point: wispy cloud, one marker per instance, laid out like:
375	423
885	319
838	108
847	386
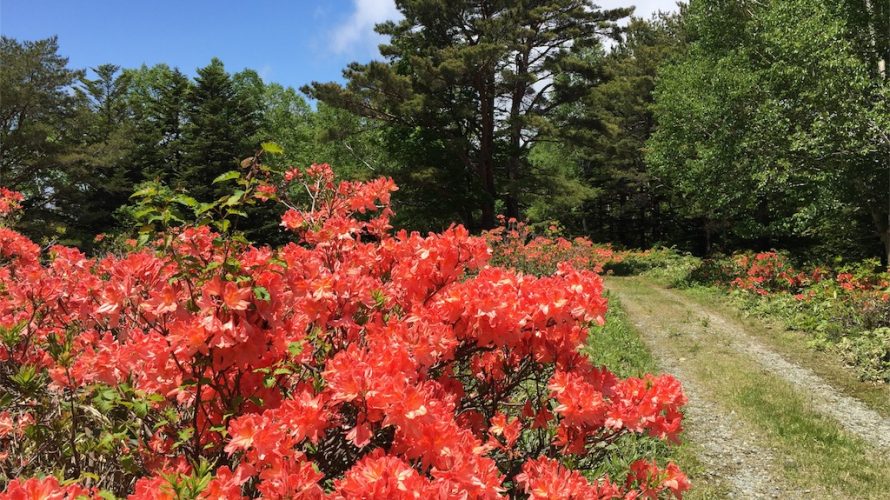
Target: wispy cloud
265	72
358	30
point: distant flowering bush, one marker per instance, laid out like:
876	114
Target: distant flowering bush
514	245
771	272
767	272
352	363
10	201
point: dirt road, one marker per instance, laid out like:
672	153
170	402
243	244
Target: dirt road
763	425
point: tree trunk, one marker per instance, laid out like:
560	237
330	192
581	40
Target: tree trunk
886	240
514	163
882	226
707	237
486	149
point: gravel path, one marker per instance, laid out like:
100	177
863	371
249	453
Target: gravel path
730	455
852	414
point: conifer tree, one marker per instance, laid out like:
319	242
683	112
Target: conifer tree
471	83
36	107
169	113
99	170
219	132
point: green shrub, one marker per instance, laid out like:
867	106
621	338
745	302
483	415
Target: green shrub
664	264
869	353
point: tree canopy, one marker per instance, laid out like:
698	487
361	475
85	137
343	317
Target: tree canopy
474	83
719	126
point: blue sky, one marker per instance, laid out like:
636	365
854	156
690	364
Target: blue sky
290	42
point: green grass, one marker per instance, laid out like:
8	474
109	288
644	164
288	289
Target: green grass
818	451
617	345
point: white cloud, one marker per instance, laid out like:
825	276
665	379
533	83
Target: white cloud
358	29
645	8
356	33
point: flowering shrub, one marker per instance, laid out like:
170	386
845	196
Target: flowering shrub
354	362
514	245
765	272
771	272
10	201
847	308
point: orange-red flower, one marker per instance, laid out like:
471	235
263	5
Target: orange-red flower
368	362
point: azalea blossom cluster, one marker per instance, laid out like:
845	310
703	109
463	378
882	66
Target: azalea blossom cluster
764	273
514	244
355	362
10	201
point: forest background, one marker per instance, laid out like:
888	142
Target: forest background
715	127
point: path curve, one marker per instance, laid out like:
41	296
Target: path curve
851	413
730	455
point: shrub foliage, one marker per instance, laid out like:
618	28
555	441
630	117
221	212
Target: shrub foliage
353	362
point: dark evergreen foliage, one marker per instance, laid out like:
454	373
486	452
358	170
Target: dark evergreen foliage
725	125
479	78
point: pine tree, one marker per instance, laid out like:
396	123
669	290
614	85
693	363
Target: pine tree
471	83
157	101
603	136
99	170
220	131
169	114
36	107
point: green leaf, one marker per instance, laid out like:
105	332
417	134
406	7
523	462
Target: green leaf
26	378
234	198
231	174
107	495
223	225
186	434
140	408
204	207
185	200
272	148
261	293
143	212
83	475
146	191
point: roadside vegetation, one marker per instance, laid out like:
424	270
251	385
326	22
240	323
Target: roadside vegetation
189	363
553	234
619	345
